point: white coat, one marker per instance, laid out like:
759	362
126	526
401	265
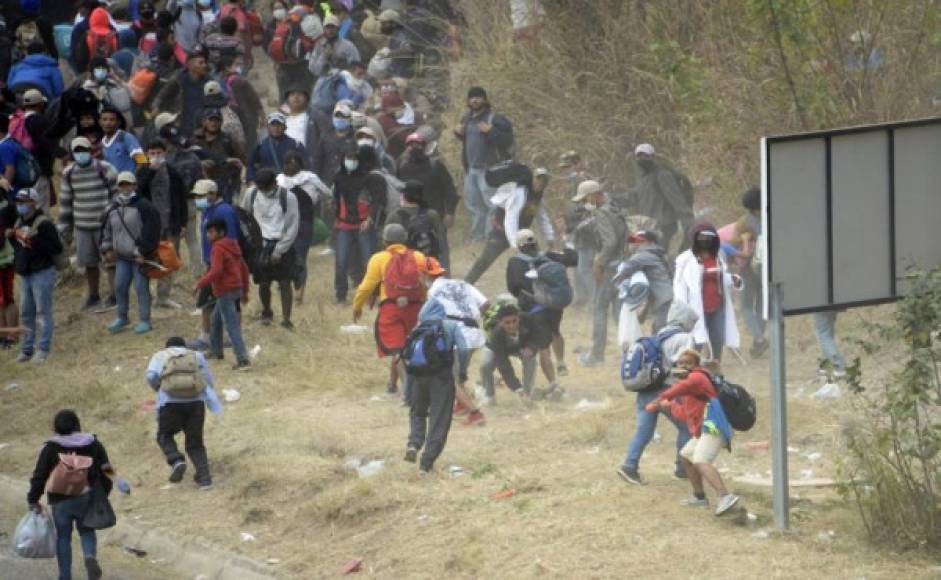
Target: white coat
687	287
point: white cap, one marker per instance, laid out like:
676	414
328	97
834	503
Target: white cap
204	187
164	119
586	188
525	238
645	148
127	177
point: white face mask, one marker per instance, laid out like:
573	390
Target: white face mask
157	160
351	164
279	14
590	206
366	142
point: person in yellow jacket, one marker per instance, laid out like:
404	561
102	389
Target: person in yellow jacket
395	275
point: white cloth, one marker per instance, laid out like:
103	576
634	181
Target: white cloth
461	300
629	330
687	287
406	116
308	182
512	198
296	127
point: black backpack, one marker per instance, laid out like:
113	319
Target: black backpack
507	171
422	233
249	237
739	406
428	350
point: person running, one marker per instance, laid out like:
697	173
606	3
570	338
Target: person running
647	256
69	505
184	386
395	273
422	223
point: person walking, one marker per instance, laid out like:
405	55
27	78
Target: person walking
648	257
662	193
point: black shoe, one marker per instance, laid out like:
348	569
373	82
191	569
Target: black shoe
392	389
680	473
242	365
92	568
424	469
411	455
631	476
91	303
177	471
266	320
287	324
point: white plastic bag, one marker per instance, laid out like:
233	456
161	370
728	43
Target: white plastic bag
629	330
35	536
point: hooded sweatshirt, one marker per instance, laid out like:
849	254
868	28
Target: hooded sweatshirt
78	443
99	24
434	310
650	259
37	71
277	222
359	194
227	270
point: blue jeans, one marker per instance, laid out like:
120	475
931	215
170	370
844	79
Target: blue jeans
715	326
646	426
477	201
753	305
36	297
125	271
347	242
825	329
226	313
64	513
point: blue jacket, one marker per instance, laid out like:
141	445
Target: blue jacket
155	367
221	210
270	153
39	71
434	310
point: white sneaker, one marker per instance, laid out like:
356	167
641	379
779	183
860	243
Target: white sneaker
40	357
693	501
326	252
726	502
167	303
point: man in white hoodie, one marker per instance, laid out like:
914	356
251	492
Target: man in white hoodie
277	214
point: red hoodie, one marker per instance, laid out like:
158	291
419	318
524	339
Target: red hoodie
101	33
691	407
227	270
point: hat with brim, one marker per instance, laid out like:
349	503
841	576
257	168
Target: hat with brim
27	194
164	119
586	188
127	177
204	187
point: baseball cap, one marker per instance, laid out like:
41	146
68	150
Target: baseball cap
645	149
276	117
332	20
568	158
342	110
642	236
27	194
525	238
33	97
204	187
434	267
127	177
541	172
585	189
212	88
368	132
390	16
164	119
80	142
212	113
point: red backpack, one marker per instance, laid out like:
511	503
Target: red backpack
250	25
401	279
102	44
18	130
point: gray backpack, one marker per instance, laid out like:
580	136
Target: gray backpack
181	376
552	288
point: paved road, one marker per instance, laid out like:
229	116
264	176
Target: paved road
116	563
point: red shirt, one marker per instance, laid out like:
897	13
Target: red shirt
227	269
711	278
691	407
362	209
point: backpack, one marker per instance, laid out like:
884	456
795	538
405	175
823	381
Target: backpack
103	45
141	85
401	279
181	376
428	350
739	406
70	475
250	239
394	187
422	233
60	260
551	288
27	169
325	91
249	22
19	132
288	44
642	366
507	171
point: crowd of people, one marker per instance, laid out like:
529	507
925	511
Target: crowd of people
130	130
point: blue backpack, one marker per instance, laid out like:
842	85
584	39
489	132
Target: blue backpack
642	366
27	171
428	350
325	91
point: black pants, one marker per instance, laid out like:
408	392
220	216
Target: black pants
188	418
496	245
431	400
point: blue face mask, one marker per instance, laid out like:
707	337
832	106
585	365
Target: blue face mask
202	203
100	74
83	158
341	124
23	209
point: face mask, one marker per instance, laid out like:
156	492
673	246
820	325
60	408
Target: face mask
365	143
22	209
83	158
341	124
100	74
202	203
279	14
123	198
204	4
157	160
590	206
351	164
645	164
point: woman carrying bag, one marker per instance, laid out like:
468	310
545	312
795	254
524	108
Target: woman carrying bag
74	471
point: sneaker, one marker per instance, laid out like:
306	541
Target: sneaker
205	486
40	357
586	360
266	320
392	389
287	324
758	348
460	409
109	304
839	374
475	418
143	328
726	502
424	469
170	304
117	325
562	369
198	344
631	476
242	365
176	471
693	501
411	454
24	357
92	568
91	303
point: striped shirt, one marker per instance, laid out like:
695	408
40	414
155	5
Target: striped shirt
86	193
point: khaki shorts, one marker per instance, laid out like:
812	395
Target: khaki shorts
703	449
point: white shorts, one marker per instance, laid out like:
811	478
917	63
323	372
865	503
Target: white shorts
703	449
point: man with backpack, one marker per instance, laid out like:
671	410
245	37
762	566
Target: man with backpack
662	193
17	165
184	93
429	356
275	209
395	273
32	130
511	333
224	46
289	47
421	223
327	156
184	386
331	49
650	259
36	245
270	151
87	187
656	363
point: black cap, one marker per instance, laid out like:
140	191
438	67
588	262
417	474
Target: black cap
175	341
477	92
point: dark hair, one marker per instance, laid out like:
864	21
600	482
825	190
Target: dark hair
164	32
217	224
176	341
157	143
4	124
35	47
228	25
265	177
413	191
751	199
507	310
295	157
66	422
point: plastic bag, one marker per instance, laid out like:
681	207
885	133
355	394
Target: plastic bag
35	536
629	330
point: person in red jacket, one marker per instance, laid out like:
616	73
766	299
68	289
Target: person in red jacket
687	400
228	276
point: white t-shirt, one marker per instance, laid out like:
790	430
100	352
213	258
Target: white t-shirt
461	300
296	128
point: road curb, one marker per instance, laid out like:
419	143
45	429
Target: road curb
190	562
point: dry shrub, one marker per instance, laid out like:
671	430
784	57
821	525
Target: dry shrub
351	503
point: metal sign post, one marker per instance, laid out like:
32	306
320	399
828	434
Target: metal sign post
779	410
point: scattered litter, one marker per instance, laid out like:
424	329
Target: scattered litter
505	494
826	536
202	577
4	445
12	386
117	369
166	486
376	398
793	450
586	405
273	561
457	471
594	450
761	535
724	470
256	350
354	565
752	518
135	551
123	486
354	329
196	312
424	518
247	537
758	445
365	469
814	456
828	391
325	252
807	473
231	395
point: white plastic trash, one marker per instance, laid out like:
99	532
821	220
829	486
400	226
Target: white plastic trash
231	395
828	391
354	329
35	536
586	405
248	537
371	468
